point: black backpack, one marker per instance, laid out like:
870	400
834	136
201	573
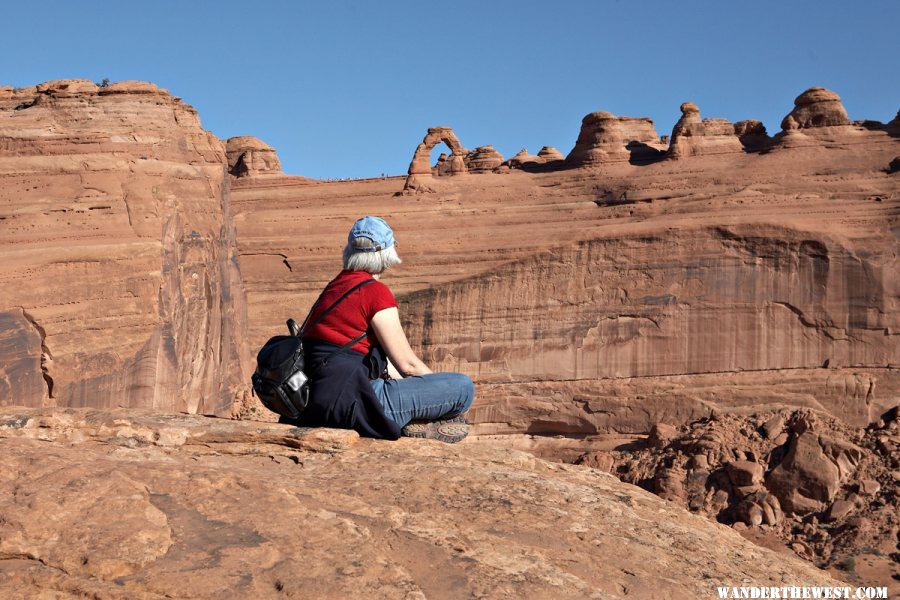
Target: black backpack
281	380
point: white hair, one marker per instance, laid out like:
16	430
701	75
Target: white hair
371	262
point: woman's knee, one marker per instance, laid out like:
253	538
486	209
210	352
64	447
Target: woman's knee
465	391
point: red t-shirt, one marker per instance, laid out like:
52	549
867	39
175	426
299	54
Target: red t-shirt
352	316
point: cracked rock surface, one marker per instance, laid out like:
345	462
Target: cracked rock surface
126	504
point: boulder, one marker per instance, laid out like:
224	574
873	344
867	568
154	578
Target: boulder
869	487
759	508
693	136
773	427
604	137
816	107
249	156
838	510
845	455
660	435
669	484
808	478
744	472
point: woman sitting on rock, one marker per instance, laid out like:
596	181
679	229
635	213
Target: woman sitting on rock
378	386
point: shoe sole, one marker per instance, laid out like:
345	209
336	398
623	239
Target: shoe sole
450	431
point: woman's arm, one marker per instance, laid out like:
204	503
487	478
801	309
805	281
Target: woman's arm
393	373
386	324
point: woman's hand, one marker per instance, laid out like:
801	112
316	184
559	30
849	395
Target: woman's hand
387	327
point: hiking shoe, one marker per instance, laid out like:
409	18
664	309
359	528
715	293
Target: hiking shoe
449	431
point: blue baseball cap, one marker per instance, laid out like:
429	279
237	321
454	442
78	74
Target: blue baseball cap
374	229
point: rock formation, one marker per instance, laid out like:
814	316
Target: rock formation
522	158
894	126
698	290
797	478
593	312
483	160
816	107
120	284
752	134
152	506
606	138
550	154
249	156
420	169
693	136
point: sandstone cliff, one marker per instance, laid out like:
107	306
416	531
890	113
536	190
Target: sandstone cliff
120	285
591	304
205	508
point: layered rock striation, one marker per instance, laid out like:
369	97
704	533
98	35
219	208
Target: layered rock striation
483	160
120	285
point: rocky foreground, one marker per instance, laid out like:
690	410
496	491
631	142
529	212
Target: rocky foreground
126	504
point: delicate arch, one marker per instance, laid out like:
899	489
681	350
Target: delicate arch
421	162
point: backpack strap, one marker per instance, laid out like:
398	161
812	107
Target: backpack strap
330	308
341	350
349	344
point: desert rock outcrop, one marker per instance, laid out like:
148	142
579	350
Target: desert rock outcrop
420	169
522	158
590	307
119	280
249	156
693	136
605	138
184	506
752	134
795	478
550	154
816	107
483	160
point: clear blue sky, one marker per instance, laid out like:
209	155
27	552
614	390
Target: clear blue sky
347	89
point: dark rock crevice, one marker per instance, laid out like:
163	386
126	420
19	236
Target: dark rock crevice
46	355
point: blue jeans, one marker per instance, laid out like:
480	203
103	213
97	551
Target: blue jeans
424	397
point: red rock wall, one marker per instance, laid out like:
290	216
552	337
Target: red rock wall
593	302
695	301
119	280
